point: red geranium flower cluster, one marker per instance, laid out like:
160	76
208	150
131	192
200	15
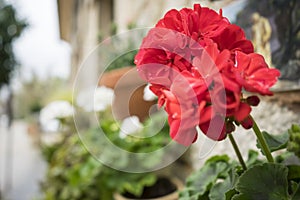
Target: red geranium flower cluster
198	65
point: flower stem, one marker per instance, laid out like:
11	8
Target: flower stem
237	151
262	142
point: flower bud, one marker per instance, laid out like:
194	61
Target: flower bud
230	127
247	123
253	100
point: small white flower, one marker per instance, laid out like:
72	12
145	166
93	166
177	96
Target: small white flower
55	110
103	97
95	99
148	94
129	126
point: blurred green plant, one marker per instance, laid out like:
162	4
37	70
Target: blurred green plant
294	142
125	60
35	93
11	29
74	174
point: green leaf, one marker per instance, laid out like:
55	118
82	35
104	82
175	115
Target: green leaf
285	157
218	158
133	183
218	191
275	142
252	158
200	182
186	195
294	140
267	181
152	159
294	172
296	194
295	128
224	190
230	193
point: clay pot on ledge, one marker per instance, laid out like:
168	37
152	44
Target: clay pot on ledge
164	189
128	88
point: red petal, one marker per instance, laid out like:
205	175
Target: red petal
214	129
243	111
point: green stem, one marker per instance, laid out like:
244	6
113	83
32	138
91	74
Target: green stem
262	142
237	151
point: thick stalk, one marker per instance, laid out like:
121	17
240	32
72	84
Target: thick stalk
262	142
237	151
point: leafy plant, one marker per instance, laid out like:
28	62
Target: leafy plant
11	28
36	93
74	174
190	89
221	178
294	143
124	60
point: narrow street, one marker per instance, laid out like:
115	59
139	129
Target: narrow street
21	165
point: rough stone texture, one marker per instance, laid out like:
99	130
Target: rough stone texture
270	116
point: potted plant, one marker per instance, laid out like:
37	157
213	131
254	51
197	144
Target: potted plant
75	174
223	178
207	76
140	139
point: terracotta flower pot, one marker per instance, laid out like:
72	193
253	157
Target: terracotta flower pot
171	196
129	88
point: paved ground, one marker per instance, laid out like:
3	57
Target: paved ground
21	165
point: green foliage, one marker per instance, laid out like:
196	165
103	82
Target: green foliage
267	181
275	142
294	142
253	158
70	172
74	174
125	60
11	28
296	194
36	93
200	183
222	179
294	172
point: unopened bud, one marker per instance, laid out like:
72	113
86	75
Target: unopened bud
247	123
230	127
253	100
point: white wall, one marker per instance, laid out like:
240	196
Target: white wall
145	13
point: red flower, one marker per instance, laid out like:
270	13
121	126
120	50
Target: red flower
253	73
215	128
197	23
183	103
182	120
233	38
167	47
198	63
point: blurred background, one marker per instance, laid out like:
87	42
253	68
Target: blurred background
43	44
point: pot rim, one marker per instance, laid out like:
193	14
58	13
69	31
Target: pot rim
171	196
